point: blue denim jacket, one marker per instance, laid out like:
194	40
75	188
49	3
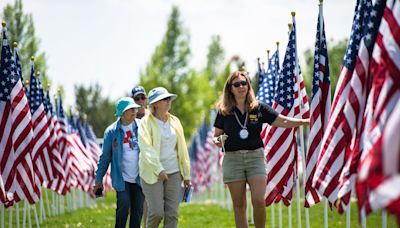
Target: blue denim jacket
112	153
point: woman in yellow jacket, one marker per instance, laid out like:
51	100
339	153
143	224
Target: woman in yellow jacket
164	160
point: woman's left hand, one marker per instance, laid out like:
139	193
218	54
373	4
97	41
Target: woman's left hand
187	183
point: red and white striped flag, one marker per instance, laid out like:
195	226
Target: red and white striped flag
40	153
281	143
8	81
379	169
54	150
60	184
16	139
320	107
334	172
211	163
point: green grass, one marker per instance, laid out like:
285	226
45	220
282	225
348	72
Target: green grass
193	215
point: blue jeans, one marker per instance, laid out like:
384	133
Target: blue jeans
129	201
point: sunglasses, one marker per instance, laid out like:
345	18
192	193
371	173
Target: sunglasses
166	99
238	84
140	98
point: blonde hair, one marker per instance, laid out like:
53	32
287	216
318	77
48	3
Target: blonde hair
227	102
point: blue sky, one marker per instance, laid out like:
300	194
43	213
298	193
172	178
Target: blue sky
111	41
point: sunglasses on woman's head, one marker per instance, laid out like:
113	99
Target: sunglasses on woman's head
238	84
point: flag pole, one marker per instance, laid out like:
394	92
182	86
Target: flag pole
36	215
320	38
280	214
293	13
17	214
10	209
2	215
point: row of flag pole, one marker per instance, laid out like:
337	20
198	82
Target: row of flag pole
39	145
352	143
346	147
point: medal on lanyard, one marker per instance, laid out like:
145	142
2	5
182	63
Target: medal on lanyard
244	133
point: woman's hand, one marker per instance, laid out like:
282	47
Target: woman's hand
96	187
187	183
289	122
217	133
217	142
162	176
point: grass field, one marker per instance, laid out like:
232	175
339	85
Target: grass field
193	215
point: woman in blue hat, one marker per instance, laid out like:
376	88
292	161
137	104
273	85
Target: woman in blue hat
164	160
121	149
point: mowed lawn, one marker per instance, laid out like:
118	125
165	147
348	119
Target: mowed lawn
202	216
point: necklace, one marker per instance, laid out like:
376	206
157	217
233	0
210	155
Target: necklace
244	133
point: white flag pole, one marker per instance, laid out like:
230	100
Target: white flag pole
17	214
24	217
348	215
326	213
272	215
47	203
2	215
41	210
384	219
29	214
290	216
36	216
280	214
10	209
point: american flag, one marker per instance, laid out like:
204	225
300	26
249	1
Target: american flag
60	184
269	85
93	146
212	161
88	153
266	87
379	167
16	136
335	170
92	141
200	165
55	154
9	80
281	143
80	161
261	72
193	160
320	107
40	153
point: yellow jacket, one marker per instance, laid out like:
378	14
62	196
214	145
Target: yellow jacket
149	144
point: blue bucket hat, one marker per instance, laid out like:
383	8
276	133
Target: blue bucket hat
158	94
124	104
137	90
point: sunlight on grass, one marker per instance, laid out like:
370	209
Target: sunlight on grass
196	215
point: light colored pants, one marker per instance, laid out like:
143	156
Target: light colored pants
163	200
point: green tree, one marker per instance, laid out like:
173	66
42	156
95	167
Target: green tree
99	110
168	67
21	29
336	51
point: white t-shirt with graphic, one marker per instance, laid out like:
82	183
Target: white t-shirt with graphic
168	153
130	155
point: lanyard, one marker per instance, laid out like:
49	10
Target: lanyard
244	126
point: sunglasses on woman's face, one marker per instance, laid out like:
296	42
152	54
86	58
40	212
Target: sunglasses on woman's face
166	99
238	84
140	98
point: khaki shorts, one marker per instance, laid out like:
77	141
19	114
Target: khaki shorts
243	164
